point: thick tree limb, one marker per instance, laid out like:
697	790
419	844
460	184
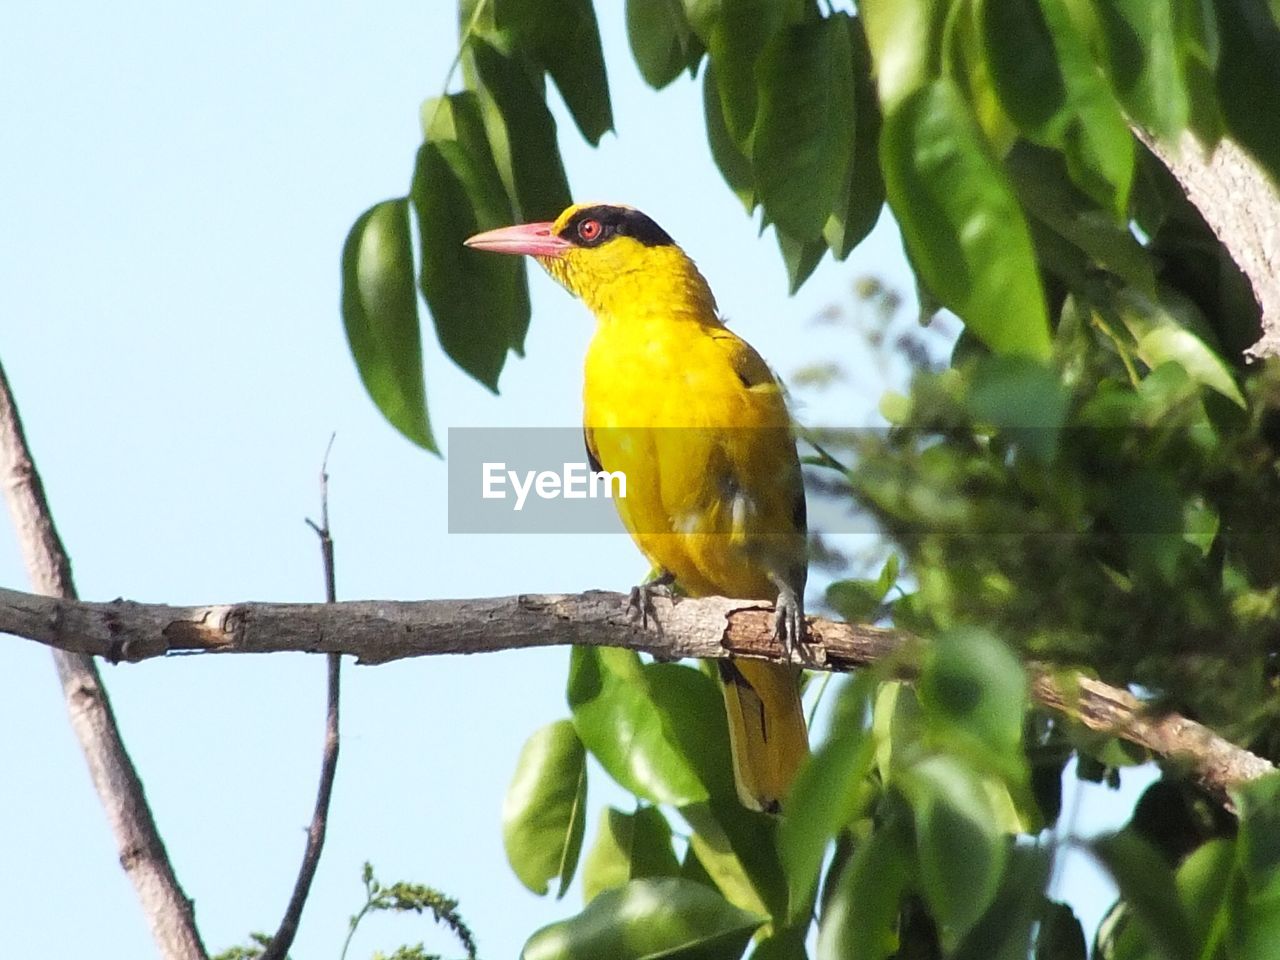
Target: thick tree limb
142	852
1242	207
380	631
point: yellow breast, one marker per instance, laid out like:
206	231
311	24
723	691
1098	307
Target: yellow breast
692	416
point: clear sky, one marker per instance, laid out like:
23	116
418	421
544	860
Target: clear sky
178	181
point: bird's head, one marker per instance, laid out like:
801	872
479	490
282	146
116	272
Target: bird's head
612	256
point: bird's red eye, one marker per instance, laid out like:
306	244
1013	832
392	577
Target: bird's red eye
589	230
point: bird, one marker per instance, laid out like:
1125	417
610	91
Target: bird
694	418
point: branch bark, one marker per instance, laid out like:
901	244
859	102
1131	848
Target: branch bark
142	852
381	631
1242	207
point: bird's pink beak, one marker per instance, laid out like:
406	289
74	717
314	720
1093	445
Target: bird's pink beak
534	239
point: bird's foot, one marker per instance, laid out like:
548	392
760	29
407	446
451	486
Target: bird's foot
788	620
640	603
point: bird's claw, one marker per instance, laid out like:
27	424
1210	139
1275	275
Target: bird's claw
788	621
640	604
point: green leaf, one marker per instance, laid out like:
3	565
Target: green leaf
963	226
1196	30
522	133
1061	936
562	36
475	300
898	728
1050	87
830	790
859	600
1004	930
804	129
1024	400
380	314
1172	329
666	918
691	868
1022	63
1145	64
862	195
662	41
629	846
1147	885
475	18
1258	803
1249	78
1090	130
1118	937
701	15
965	61
544	813
737	849
973	689
1205	884
786	944
904	37
737	38
800	257
961	851
499	284
733	164
1041	180
861	919
649	728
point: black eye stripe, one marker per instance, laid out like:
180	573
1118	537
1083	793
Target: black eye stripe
615	221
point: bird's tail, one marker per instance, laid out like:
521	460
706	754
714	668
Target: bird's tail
767	732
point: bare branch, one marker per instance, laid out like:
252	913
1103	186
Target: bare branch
142	852
283	940
380	631
1242	207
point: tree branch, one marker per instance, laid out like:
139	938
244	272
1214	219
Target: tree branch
142	853
1242	207
380	631
288	929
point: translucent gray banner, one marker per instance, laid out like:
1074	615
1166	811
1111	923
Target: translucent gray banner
542	480
731	482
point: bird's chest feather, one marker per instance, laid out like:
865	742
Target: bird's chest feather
659	375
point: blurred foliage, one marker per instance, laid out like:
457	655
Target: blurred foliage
257	945
1089	479
401	897
398	897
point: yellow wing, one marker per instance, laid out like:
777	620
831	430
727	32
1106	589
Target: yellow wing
694	418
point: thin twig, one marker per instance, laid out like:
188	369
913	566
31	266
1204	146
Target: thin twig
463	39
283	939
142	854
382	630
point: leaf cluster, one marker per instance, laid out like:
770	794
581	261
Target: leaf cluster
403	897
489	157
399	897
791	117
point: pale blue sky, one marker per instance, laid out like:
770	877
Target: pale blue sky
178	181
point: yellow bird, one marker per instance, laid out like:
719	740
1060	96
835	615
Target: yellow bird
694	418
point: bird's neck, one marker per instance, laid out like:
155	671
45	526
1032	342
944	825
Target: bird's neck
666	286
